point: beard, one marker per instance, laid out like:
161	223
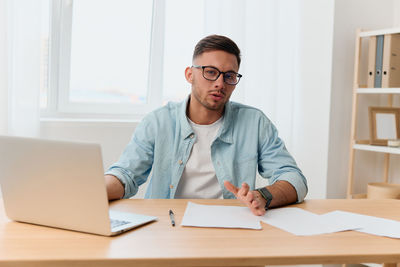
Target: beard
203	97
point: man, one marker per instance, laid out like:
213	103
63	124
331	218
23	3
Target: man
208	146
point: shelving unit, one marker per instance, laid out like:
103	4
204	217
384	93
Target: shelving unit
359	90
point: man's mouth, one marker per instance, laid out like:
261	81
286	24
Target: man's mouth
217	96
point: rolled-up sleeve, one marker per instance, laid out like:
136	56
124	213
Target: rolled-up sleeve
276	163
135	163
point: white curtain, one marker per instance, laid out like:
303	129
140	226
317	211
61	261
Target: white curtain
287	50
267	33
23	50
3	69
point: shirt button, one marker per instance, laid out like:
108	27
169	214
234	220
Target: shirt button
192	135
180	162
218	163
171	186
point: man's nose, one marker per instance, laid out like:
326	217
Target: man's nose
219	83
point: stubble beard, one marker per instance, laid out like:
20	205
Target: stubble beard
205	103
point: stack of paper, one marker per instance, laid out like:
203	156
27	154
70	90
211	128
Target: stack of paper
293	220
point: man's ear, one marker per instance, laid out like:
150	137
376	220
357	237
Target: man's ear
189	74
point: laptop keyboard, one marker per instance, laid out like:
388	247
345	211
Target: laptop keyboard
116	223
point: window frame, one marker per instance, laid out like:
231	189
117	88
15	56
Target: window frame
58	104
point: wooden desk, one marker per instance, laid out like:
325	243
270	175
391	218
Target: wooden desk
160	244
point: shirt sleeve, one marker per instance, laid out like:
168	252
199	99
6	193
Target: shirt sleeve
276	163
134	165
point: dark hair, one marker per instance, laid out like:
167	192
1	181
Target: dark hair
217	42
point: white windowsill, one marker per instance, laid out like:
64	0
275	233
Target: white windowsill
87	120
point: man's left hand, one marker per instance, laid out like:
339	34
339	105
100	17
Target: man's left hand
251	199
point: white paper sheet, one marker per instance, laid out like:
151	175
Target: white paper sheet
301	222
293	220
368	224
219	216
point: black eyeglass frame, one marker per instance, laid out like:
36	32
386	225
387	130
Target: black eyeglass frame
219	73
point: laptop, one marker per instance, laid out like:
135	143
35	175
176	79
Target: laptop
59	184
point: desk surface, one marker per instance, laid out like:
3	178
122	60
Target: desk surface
159	243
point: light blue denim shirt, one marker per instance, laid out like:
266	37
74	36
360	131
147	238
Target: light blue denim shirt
247	141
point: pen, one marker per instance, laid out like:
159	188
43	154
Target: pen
171	216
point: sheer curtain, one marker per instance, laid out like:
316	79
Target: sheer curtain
287	58
3	69
23	49
268	34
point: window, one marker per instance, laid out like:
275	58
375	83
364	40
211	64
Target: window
101	53
110	51
119	58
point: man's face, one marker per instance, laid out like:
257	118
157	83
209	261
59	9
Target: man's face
212	94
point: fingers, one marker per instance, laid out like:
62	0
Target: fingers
258	205
244	190
244	195
235	190
247	197
257	208
250	197
251	200
231	188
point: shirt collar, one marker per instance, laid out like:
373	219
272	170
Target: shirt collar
186	129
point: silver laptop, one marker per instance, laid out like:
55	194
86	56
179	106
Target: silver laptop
59	184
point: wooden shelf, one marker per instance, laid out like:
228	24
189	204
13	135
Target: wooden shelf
382	149
378	90
379	32
361	89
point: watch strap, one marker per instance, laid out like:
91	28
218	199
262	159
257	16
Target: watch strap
264	192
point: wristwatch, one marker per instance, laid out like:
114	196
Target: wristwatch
264	192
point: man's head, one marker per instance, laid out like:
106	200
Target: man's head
217	42
214	73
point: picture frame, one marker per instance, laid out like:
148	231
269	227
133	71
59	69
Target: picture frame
384	124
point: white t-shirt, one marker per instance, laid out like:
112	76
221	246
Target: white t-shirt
198	178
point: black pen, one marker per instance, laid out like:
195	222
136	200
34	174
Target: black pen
171	216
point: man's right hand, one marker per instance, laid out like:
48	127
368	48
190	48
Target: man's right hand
115	189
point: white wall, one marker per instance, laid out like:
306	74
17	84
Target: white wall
396	13
3	69
350	15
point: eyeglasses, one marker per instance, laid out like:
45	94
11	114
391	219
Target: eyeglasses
212	74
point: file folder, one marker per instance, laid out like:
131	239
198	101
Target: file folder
371	61
391	61
378	61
